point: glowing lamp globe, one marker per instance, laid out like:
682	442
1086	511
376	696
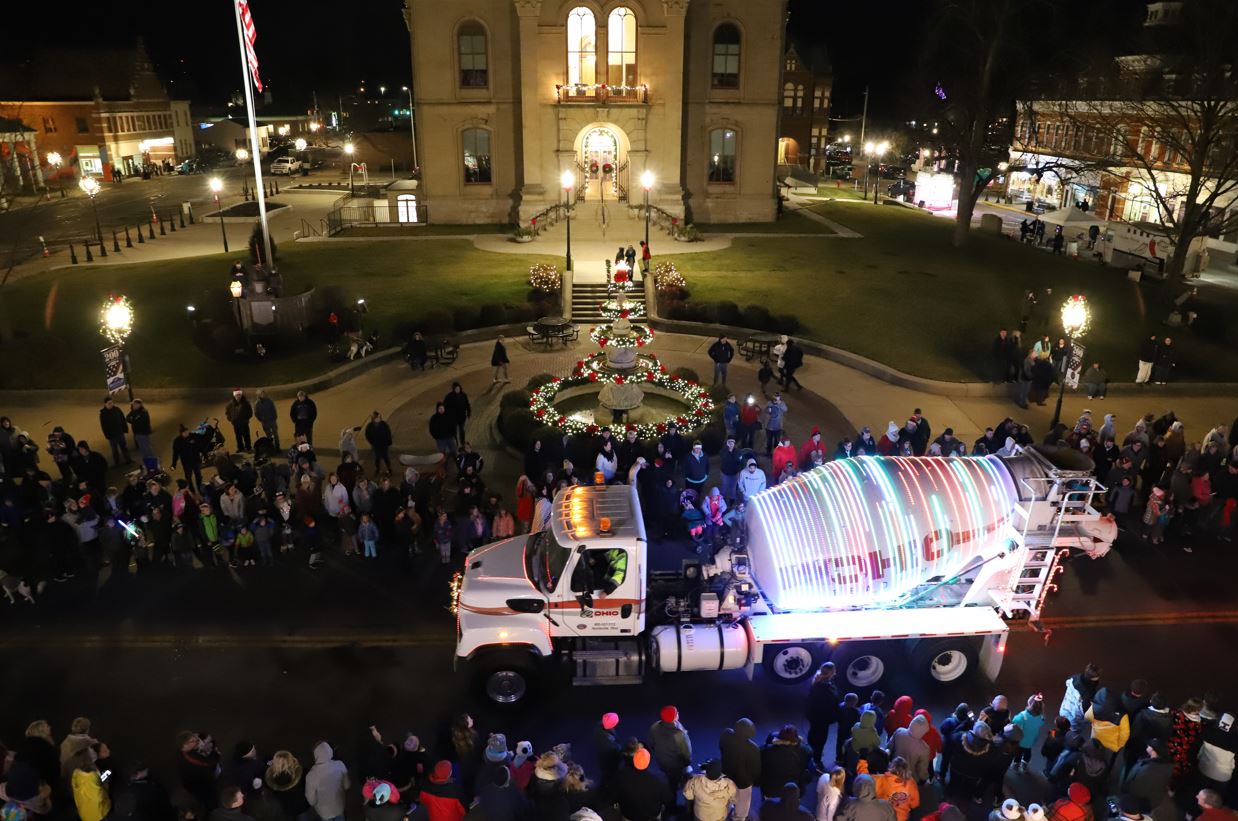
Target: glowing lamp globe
1075	315
89	186
53	158
236	288
116	319
646	180
300	144
567	179
216	184
242	154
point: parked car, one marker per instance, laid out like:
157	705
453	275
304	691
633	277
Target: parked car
286	165
903	188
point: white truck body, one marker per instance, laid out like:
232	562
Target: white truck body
868	563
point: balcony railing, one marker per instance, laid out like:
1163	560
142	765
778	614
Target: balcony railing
598	93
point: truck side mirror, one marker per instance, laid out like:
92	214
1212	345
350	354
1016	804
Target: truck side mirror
625	611
526	605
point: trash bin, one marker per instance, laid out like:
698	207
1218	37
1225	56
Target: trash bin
1072	249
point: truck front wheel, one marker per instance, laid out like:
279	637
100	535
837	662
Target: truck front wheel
789	663
505	678
942	661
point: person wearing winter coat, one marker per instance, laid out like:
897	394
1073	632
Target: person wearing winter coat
932	736
1076	806
441	796
785	806
378	434
458	408
721	352
741	761
908	743
970	759
1029	721
326	783
90	795
897	786
114	426
899	715
814	445
641	793
546	788
866	806
822	710
1150	774
751	481
775	415
268	417
1186	732
1110	726
864	735
1153	722
238	411
711	793
499	361
696	467
784	758
1218	744
670	746
303	412
830	793
1080	690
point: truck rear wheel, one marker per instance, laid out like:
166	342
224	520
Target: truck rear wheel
505	678
789	663
862	665
942	661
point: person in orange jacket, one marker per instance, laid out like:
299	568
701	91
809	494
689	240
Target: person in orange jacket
898	787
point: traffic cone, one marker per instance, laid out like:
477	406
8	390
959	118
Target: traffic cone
128	240
72	254
46	253
115	243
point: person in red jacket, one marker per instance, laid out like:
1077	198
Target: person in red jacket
814	444
899	716
785	452
887	445
1213	807
933	737
1076	806
441	795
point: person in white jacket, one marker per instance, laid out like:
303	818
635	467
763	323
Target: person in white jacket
334	496
751	480
711	793
830	793
326	783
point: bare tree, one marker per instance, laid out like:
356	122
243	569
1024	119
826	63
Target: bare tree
1166	124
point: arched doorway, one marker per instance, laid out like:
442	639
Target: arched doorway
602	160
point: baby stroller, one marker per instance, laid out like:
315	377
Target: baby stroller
153	471
693	519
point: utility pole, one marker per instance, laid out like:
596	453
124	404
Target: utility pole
864	116
860	146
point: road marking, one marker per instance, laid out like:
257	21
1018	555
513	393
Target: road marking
362	638
1135	620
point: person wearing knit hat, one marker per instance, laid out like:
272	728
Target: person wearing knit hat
382	801
523	765
441	795
887	445
1034	812
606	745
1008	811
710	792
670	745
640	790
1076	806
610	721
496	749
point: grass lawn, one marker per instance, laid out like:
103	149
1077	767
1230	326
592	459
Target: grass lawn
427	230
902	295
49	334
788	223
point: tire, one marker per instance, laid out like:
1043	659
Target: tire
864	665
505	679
942	661
790	663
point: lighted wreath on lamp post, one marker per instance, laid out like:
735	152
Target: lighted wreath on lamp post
1076	319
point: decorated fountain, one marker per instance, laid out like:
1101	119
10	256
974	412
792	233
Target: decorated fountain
621	385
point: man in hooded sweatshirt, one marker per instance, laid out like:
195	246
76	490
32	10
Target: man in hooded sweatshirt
864	735
640	792
866	806
711	793
1149	778
440	795
908	743
785	807
326	783
741	761
670	745
899	715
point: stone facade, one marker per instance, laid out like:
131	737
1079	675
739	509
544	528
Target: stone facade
687	90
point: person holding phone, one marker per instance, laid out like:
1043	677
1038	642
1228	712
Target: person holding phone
90	794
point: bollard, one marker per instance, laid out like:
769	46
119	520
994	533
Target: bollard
128	239
181	214
72	254
191	215
89	256
163	232
171	224
102	249
115	243
141	239
276	184
151	225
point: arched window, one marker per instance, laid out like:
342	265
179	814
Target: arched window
621	48
726	56
788	95
722	155
582	47
473	66
476	146
820	100
406	207
799	98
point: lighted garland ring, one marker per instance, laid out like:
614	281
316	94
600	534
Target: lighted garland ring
697	398
612	310
604	335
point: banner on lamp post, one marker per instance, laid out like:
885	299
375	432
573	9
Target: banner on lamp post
1074	368
114	369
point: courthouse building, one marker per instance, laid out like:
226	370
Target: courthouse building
511	93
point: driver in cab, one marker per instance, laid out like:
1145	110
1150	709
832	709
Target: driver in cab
607	570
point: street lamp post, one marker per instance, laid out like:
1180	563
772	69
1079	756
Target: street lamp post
646	182
217	185
116	323
412	128
1075	320
90	187
56	161
237	290
301	145
879	151
348	149
568	180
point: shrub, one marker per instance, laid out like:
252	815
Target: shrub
464	317
719	393
713	437
492	314
403	330
518	427
667	280
520	313
686	373
515	399
727	313
435	320
545	278
756	317
536	381
674	309
786	323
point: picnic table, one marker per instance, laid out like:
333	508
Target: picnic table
444	352
757	345
550	328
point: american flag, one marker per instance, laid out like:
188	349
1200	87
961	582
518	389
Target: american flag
251	34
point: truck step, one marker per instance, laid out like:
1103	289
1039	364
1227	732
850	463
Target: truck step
597	681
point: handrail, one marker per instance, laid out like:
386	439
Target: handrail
545	218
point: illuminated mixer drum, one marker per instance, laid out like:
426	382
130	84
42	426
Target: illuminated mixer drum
864	531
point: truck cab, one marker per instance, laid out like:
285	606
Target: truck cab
521	600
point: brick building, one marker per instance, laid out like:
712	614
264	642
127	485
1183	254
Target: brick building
807	81
99	108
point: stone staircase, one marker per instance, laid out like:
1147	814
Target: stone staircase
587	296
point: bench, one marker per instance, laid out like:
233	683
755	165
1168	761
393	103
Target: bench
444	353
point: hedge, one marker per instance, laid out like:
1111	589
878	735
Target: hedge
755	317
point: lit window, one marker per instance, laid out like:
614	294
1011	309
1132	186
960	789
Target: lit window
473	73
581	47
799	98
726	56
788	95
722	155
621	48
406	207
476	143
820	99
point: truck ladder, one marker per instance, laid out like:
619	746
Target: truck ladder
1045	545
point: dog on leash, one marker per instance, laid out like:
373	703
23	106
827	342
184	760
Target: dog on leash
14	586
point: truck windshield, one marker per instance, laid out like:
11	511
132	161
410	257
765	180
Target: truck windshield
544	560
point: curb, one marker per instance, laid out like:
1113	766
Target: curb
917	383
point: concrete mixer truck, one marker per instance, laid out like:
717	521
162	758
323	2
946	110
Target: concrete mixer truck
874	563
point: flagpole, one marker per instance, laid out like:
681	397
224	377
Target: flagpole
254	144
